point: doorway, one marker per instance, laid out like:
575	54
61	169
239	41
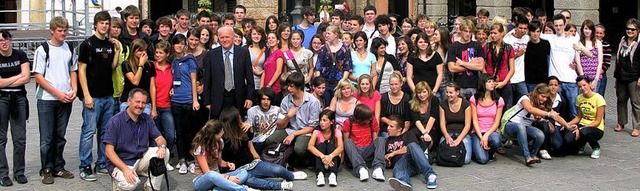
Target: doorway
157	10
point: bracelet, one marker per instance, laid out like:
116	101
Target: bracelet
548	114
331	155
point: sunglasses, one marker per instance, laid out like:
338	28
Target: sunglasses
632	29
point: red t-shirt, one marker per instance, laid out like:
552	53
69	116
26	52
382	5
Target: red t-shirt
507	54
370	101
164	82
361	133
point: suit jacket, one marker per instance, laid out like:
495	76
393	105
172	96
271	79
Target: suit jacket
214	78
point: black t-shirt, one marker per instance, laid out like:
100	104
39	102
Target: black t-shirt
434	111
425	71
98	55
536	62
469	78
395	143
148	71
240	156
455	121
388	109
12	66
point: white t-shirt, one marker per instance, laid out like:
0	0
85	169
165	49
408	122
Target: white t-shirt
561	56
263	123
56	70
522	116
516	43
391	43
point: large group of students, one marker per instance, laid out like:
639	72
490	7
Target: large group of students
371	93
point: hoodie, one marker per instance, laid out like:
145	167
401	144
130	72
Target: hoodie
181	68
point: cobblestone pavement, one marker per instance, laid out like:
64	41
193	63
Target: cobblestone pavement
617	169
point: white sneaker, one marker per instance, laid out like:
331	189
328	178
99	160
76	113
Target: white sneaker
182	169
169	167
426	154
545	155
378	174
399	185
251	189
299	175
192	168
284	185
333	182
320	179
595	153
364	174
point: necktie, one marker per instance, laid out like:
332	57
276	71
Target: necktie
228	79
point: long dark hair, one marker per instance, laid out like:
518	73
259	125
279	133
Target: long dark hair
205	139
230	117
482	88
588	24
332	116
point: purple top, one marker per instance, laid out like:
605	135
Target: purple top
589	65
129	138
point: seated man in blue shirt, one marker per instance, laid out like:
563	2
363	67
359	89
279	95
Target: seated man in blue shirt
127	144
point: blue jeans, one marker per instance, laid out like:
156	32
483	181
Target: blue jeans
411	163
569	91
263	184
523	134
530	88
507	93
270	170
14	110
482	156
147	109
165	125
519	90
467	145
551	140
94	120
53	117
602	85
214	180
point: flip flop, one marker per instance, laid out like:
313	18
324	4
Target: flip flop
635	133
618	128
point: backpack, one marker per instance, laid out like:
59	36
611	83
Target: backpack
451	156
45	47
511	112
277	154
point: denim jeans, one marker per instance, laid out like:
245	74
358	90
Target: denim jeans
116	105
359	155
411	163
270	170
569	91
519	89
94	120
262	184
589	135
482	155
53	117
523	134
551	140
507	94
184	120
467	93
530	88
216	181
14	108
467	145
165	125
602	85
147	109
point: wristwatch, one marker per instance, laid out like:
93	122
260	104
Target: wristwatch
163	146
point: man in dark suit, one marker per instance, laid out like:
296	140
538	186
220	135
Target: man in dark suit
228	77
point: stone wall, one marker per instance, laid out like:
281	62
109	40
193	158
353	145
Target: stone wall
260	9
495	7
436	10
580	10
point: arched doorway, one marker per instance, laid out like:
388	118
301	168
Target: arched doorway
399	7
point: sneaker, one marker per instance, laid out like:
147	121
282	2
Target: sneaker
192	168
101	169
87	174
545	155
63	174
399	185
169	167
284	185
426	154
595	153
299	175
251	189
320	179
581	151
333	182
432	181
21	179
182	169
6	181
47	176
508	144
364	174
378	174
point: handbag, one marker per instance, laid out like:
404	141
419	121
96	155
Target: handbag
277	154
451	156
157	168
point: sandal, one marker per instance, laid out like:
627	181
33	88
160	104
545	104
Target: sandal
536	159
635	133
530	162
618	128
501	151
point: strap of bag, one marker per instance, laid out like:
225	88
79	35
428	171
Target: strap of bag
333	57
293	59
166	178
384	64
255	63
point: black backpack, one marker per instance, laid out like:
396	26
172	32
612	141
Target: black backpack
45	47
277	153
451	156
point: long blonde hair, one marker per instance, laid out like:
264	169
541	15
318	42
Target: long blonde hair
136	45
344	83
415	101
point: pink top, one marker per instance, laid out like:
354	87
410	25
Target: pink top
320	138
270	67
486	114
370	101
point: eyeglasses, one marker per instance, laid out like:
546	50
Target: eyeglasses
632	29
6	40
567	17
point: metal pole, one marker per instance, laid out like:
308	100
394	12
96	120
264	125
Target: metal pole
74	16
63	10
53	8
87	27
